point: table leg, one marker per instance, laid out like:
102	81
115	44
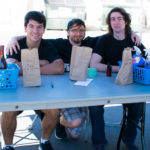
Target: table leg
143	127
122	128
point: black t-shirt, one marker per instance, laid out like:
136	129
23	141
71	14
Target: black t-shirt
46	50
111	49
64	47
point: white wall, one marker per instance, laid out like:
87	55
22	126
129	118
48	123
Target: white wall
12	14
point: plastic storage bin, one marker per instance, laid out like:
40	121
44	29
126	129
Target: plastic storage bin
141	75
9	76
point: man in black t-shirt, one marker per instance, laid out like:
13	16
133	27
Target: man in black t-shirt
46	51
64	46
72	118
109	49
50	63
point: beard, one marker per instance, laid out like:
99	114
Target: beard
77	40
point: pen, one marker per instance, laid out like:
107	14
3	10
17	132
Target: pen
52	85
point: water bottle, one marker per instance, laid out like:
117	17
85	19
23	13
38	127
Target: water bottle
109	70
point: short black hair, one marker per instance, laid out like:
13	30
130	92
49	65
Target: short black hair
35	15
75	21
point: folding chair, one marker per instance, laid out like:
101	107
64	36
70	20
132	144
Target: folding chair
140	127
31	126
37	114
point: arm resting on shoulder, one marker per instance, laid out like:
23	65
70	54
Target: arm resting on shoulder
56	67
13	45
135	38
96	63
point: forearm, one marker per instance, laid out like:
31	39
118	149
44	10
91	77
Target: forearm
100	67
52	68
18	37
103	67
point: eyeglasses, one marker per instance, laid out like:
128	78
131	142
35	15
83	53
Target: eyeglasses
76	31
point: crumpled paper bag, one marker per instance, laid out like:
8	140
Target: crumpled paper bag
125	74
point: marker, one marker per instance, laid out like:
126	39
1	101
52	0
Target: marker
52	85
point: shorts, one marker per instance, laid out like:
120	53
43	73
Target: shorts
39	113
71	114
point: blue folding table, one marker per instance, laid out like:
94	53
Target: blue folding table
58	91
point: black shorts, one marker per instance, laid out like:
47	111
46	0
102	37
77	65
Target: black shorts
39	113
19	112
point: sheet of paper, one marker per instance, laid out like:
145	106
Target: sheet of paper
83	83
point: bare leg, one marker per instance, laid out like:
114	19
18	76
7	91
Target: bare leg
49	122
72	124
8	125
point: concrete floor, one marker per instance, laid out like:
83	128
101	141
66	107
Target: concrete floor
25	139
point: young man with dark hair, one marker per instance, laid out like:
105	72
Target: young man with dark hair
50	63
71	118
109	49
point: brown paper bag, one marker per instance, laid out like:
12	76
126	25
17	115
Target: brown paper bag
125	74
31	67
80	59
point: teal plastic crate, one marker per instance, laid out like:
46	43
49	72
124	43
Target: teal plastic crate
9	76
141	75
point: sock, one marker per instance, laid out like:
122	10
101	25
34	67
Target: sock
44	140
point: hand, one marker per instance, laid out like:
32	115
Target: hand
43	62
12	46
136	39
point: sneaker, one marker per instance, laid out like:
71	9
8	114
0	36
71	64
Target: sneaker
99	147
60	133
45	146
8	148
129	146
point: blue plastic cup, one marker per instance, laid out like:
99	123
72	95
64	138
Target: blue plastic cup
92	72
